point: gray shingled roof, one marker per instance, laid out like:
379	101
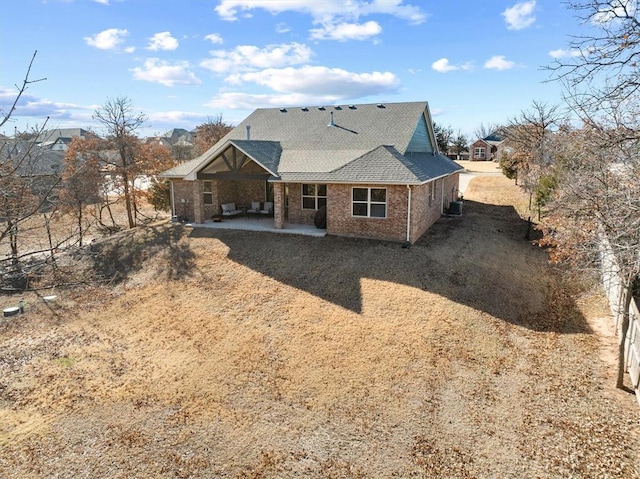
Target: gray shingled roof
383	165
30	159
358	143
267	153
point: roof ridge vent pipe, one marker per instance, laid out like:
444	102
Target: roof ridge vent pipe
331	122
248	132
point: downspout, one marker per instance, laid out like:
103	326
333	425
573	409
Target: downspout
173	200
409	215
442	197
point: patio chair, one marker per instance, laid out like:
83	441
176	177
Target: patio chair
255	207
267	208
229	210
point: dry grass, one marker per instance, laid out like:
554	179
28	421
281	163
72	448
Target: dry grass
241	354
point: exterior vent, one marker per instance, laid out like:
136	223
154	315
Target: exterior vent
248	132
352	107
380	105
338	107
331	122
304	108
321	108
283	110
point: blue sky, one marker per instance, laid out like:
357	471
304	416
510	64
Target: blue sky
183	62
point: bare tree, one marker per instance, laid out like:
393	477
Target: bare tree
603	66
209	133
484	131
21	89
81	181
459	144
121	124
26	183
444	137
152	158
529	137
597	205
597	202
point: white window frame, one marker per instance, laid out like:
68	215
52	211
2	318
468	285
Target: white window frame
432	191
315	197
206	193
479	152
369	202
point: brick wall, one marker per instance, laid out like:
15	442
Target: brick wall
278	205
341	222
183	198
295	212
425	211
451	188
479	144
240	192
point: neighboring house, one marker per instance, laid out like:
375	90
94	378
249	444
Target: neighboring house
459	156
29	159
41	166
375	168
59	139
487	148
179	141
176	136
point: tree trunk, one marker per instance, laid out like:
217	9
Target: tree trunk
624	329
13	240
127	201
80	231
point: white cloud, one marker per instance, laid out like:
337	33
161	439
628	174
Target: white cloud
249	57
498	62
560	53
159	71
337	19
325	10
33	107
214	38
104	2
162	41
346	31
321	81
282	28
443	66
107	39
520	15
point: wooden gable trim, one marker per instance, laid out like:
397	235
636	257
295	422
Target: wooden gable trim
230	175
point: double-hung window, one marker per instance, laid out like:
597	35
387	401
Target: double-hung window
314	197
478	152
207	193
369	202
432	191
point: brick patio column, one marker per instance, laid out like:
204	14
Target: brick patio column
278	205
198	213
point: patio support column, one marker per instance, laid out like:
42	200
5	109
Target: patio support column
278	205
198	213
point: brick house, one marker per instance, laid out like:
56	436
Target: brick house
488	148
375	169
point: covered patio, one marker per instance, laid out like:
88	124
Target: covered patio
261	224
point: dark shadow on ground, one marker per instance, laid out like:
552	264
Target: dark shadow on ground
118	256
481	260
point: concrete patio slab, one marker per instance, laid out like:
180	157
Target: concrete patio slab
261	224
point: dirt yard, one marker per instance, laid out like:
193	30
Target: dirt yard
226	354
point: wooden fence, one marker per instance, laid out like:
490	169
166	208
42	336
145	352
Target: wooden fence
613	289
